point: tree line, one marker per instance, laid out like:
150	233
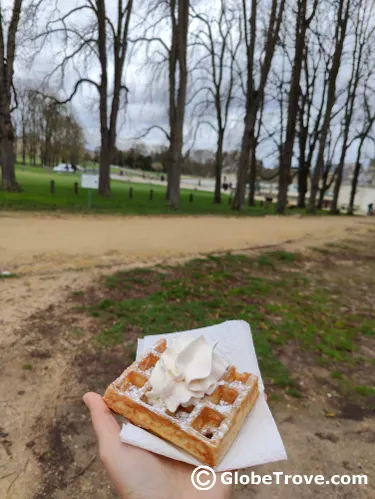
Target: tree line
46	131
292	81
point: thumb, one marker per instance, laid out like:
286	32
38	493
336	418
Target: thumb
105	426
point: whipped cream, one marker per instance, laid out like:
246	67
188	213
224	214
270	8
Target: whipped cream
188	370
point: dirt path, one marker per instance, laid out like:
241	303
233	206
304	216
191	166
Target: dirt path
55	255
41	243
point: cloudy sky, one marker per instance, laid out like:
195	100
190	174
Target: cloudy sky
146	78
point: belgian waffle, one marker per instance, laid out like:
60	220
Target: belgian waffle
205	430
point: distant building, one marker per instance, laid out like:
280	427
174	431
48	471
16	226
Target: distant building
366	176
157	167
202	155
371	172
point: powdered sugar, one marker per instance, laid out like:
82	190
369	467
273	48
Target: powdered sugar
183	418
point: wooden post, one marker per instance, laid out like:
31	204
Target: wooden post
230	200
151	194
191	198
52	187
131	192
76	188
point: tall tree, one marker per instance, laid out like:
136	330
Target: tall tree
303	21
363	35
366	117
166	27
310	121
342	18
255	92
104	40
216	68
178	74
8	39
22	120
329	172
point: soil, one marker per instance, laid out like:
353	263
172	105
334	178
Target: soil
47	446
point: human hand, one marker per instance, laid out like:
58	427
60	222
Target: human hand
139	474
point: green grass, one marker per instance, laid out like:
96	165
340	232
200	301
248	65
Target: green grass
27	367
36	196
365	391
281	306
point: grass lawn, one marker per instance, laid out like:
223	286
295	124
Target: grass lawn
36	196
316	313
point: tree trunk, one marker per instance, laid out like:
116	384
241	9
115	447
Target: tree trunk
247	139
253	177
303	168
175	171
322	192
175	167
303	175
357	169
7	57
104	165
7	157
168	169
287	150
23	142
340	170
341	25
177	96
284	181
218	167
323	189
254	97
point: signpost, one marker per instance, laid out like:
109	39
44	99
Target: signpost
89	182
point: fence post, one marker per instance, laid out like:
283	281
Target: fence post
230	200
52	187
191	198
131	192
151	194
76	188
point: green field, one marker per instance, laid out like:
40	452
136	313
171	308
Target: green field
291	302
36	196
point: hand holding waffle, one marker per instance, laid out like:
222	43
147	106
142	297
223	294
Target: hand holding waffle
138	474
187	394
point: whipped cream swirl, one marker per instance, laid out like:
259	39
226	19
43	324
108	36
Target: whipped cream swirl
188	370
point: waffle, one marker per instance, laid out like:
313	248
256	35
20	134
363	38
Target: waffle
205	430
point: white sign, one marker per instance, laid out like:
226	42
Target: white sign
89	181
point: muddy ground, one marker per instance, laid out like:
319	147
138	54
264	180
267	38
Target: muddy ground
47	359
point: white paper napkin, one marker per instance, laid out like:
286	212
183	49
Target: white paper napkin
259	441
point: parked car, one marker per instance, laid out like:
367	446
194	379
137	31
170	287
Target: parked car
64	168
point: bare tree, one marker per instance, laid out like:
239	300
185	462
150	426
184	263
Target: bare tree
255	93
22	119
104	42
310	112
172	17
7	105
342	17
365	133
178	74
34	124
303	21
364	30
219	48
329	174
